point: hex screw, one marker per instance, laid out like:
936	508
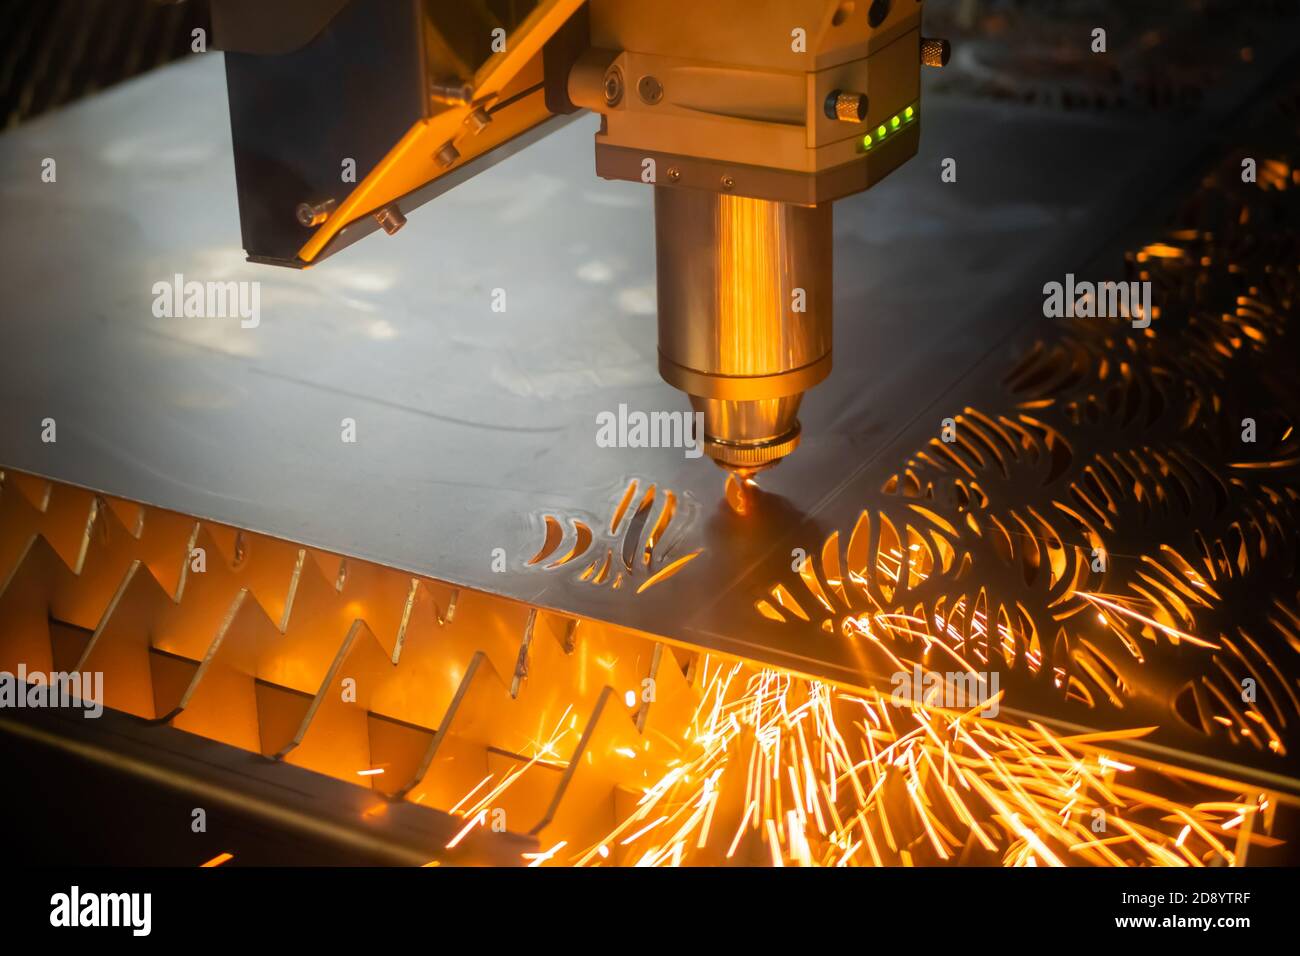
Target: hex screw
447	155
314	213
613	86
478	119
390	218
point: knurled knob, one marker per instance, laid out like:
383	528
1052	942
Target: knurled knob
847	107
935	51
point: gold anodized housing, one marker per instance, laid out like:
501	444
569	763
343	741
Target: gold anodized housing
748	135
744	315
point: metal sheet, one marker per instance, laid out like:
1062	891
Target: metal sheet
473	424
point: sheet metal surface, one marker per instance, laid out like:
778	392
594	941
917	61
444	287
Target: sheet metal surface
471	423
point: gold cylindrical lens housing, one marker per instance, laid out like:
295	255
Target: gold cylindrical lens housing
744	315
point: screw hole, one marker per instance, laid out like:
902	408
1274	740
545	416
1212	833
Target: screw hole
650	89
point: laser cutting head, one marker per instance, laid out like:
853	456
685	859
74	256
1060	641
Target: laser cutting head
748	120
749	136
744	316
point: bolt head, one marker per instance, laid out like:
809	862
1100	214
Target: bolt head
314	214
613	87
478	119
390	219
448	155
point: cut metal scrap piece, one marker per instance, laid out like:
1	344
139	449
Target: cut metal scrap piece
643	543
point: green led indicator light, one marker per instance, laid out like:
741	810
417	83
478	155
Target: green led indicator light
894	123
